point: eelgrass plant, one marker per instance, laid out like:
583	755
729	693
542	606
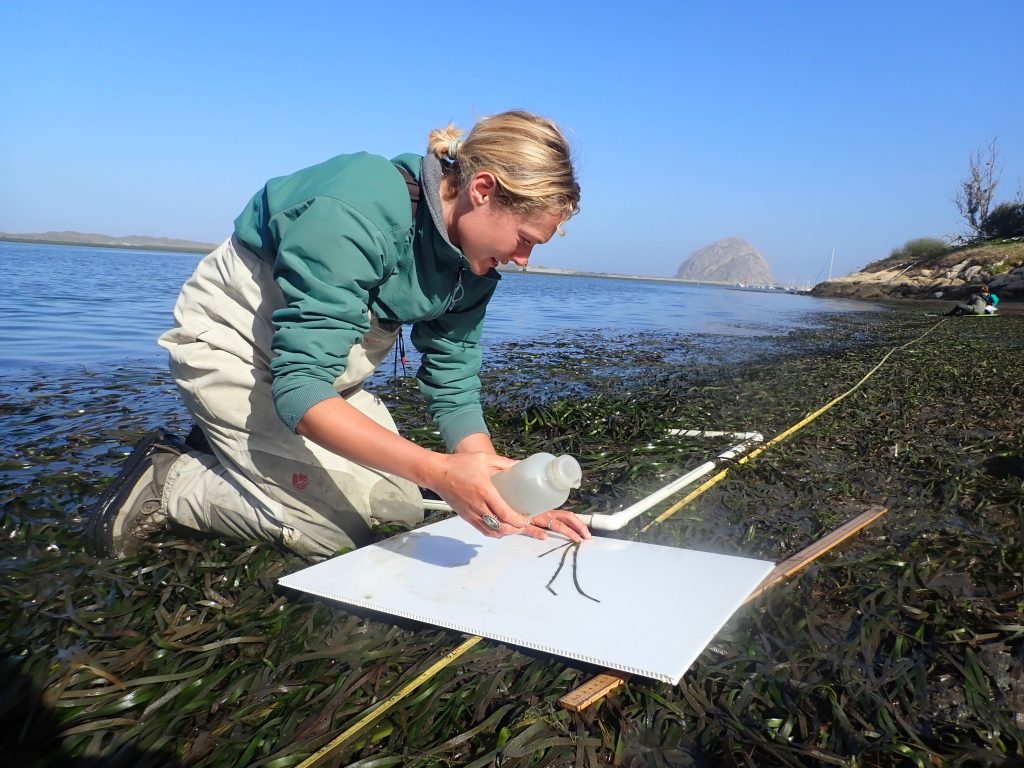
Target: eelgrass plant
902	647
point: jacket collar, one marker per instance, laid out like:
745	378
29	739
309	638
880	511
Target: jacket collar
430	181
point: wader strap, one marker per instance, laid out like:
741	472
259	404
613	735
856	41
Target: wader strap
414	189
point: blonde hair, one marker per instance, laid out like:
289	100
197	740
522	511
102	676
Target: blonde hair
528	155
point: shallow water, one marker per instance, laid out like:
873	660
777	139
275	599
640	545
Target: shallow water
71	305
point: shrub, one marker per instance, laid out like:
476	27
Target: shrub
1005	220
927	248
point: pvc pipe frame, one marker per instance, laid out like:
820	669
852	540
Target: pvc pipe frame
617	520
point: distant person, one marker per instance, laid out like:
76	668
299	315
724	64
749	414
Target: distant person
980	303
279	327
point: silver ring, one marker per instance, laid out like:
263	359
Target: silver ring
491	522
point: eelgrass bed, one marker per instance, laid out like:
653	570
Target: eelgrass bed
902	647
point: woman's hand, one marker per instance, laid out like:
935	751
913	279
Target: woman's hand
560	521
463	479
465	483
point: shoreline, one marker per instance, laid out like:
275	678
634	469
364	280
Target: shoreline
118	246
538	270
930	305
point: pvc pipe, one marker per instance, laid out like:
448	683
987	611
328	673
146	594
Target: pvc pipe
755	436
617	520
437	504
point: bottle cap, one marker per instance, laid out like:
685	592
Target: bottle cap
565	472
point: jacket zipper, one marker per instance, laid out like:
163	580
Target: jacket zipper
458	292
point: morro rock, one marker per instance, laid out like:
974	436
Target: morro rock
730	260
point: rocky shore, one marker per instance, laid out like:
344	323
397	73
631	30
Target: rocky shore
951	276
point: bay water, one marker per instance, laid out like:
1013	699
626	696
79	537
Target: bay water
93	307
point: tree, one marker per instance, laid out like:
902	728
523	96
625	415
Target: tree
974	198
1005	220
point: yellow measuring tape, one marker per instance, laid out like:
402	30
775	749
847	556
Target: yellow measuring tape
782	435
372	714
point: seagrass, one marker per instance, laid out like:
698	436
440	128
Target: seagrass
902	647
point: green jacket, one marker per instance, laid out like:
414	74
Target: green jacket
341	238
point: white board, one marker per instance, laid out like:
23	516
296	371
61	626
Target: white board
659	606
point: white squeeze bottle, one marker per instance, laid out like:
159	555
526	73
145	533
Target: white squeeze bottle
538	483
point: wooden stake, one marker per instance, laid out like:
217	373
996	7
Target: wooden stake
601	685
806	556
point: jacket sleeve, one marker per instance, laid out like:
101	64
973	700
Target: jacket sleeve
449	373
329	259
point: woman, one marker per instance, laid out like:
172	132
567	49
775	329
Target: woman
279	327
983	302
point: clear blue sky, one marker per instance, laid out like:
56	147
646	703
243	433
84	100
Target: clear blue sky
801	126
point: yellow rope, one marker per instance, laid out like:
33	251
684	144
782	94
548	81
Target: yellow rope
372	714
783	435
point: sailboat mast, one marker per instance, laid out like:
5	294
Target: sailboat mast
831	261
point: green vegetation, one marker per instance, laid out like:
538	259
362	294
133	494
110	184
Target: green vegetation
1006	220
904	646
923	249
922	252
998	255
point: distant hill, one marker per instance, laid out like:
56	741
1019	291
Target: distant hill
730	260
106	241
